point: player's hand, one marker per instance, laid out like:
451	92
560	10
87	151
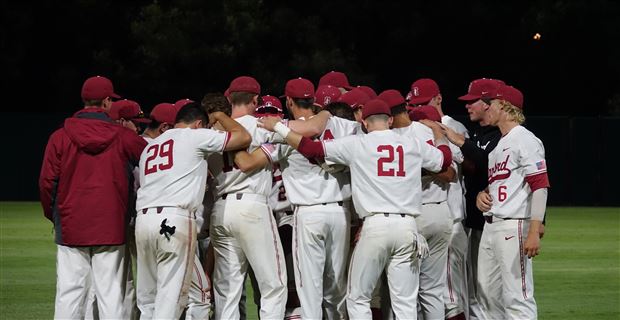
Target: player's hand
532	243
268	122
213	116
129	125
484	201
422	250
454	137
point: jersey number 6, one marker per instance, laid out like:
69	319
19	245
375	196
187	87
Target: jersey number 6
389	159
162	151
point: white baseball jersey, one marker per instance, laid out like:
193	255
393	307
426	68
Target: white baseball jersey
518	154
278	201
229	179
433	189
456	192
307	183
455	125
173	172
381	162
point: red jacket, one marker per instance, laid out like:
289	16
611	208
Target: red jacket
84	182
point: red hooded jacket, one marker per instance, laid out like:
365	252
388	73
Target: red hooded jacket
84	182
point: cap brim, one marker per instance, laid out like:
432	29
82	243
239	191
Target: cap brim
142	120
114	95
419	100
469	97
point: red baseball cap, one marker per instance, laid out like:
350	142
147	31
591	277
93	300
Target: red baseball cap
336	79
375	106
299	88
482	88
423	90
512	95
244	84
164	113
128	110
370	92
98	88
392	97
355	98
326	95
180	103
424	112
271	106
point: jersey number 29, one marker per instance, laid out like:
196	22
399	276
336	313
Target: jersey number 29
163	150
389	159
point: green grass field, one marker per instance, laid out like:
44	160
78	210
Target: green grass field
576	277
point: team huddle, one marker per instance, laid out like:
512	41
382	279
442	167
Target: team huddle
357	206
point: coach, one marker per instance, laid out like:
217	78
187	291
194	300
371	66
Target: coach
84	190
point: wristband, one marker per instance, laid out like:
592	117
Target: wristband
281	129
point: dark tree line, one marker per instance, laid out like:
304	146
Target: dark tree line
163	50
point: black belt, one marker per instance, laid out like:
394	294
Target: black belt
402	215
159	210
340	203
489	219
239	196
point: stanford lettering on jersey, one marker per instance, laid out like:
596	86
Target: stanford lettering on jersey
499	171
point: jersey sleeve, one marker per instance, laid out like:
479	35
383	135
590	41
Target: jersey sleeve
272	151
532	156
457	155
341	150
211	141
432	158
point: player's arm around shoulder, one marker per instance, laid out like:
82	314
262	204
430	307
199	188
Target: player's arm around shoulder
430	154
251	161
239	137
311	127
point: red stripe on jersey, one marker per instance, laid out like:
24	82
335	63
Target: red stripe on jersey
447	156
311	149
226	141
538	181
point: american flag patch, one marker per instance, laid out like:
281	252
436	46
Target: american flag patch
540	165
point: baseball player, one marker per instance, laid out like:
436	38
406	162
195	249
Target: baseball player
426	92
434	221
355	98
514	208
380	163
482	141
173	176
243	230
336	79
84	191
321	219
162	118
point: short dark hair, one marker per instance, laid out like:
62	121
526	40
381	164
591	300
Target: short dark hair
190	113
241	97
305	103
401	108
216	101
154	124
340	110
88	103
377	117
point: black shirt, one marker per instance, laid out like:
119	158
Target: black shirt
476	151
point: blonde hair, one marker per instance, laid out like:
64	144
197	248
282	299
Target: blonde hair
514	113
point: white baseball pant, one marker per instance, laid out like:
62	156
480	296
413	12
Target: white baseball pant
199	301
243	231
165	261
475	310
320	248
504	272
387	242
435	224
456	295
79	268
